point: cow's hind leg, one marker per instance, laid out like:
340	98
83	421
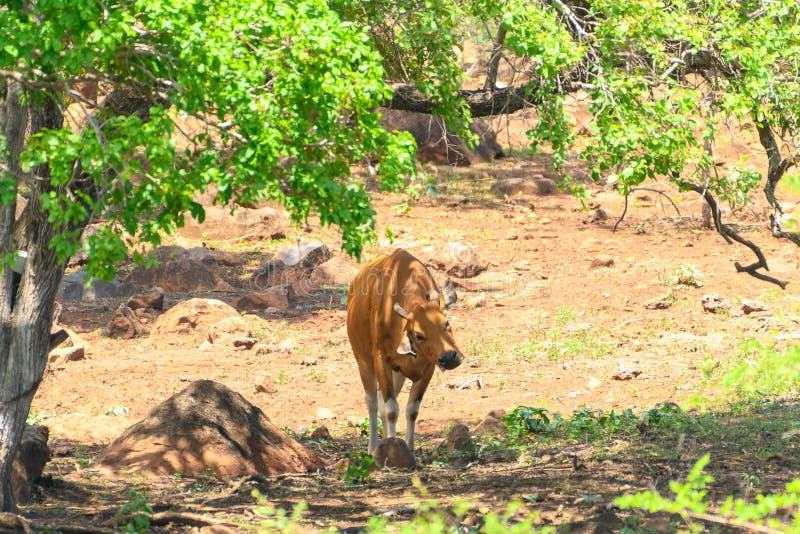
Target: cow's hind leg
367	373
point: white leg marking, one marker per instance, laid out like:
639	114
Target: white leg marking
412	409
390	412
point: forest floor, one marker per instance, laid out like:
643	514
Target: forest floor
561	320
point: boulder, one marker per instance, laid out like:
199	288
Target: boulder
179	276
457	259
437	144
294	266
125	325
192	317
244	224
154	300
714	303
534	185
394	452
204	428
276	298
459	440
32	455
334	272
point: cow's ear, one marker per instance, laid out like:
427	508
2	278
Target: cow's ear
399	310
405	347
449	293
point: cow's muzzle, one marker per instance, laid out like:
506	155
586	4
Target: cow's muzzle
449	360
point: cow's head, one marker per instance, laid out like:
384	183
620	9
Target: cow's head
427	332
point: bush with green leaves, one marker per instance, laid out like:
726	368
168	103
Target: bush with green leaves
138	512
777	512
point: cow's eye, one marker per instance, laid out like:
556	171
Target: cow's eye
447	325
419	336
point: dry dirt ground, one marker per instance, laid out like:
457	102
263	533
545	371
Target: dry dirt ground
545	327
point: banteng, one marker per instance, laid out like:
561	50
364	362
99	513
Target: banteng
398	330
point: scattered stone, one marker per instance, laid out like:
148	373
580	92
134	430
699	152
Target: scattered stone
595	216
245	224
66	354
320	433
277	297
660	303
245	342
593	383
153	300
394	452
206	346
125	325
714	303
602	260
535	185
627	374
459	440
204	428
267	386
751	306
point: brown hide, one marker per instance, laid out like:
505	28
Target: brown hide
397	329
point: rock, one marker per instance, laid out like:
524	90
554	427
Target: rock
595	216
660	303
714	303
245	342
277	297
320	433
593	383
125	325
293	266
66	354
207	428
227	259
437	144
227	331
394	452
179	276
267	386
153	300
457	259
751	306
627	374
245	224
194	316
334	272
536	185
602	260
32	455
489	425
73	288
459	440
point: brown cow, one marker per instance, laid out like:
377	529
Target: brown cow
398	330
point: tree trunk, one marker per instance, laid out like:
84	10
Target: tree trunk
26	317
13	407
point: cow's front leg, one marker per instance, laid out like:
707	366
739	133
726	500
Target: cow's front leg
390	409
412	407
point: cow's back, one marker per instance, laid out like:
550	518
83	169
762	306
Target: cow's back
370	300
